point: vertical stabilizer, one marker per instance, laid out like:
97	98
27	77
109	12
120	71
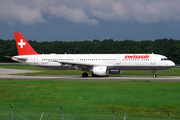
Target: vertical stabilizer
24	48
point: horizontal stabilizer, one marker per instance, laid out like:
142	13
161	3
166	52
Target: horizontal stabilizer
8	56
20	59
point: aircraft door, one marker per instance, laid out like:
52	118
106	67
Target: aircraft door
118	60
35	59
77	59
153	59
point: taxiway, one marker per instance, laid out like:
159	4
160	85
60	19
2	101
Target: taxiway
5	75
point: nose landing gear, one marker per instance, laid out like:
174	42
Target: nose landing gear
154	74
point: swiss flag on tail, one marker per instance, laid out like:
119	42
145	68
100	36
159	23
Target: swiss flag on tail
24	48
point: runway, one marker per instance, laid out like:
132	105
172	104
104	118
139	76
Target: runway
5	75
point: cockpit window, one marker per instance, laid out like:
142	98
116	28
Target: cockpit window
164	59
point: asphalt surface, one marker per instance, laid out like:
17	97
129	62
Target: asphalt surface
5	74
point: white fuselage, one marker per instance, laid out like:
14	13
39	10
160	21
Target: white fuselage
87	61
97	64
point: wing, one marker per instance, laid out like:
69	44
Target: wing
83	66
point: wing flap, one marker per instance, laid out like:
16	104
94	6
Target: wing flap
84	64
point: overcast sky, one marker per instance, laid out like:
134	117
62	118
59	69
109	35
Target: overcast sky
70	20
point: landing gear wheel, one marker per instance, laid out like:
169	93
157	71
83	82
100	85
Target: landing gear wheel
84	75
93	75
154	74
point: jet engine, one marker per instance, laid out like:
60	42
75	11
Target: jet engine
115	71
100	70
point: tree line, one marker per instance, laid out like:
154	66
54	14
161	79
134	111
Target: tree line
168	47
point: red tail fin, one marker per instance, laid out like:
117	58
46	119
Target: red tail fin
24	48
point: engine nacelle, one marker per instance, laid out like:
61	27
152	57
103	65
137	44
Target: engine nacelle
115	71
100	70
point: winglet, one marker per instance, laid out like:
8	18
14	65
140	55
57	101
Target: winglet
24	48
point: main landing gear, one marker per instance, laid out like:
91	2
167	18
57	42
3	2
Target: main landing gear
85	74
93	75
154	74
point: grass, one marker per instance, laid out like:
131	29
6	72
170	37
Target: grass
169	72
84	98
95	97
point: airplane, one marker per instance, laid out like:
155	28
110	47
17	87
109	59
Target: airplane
97	64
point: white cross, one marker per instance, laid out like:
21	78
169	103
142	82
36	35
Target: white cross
21	43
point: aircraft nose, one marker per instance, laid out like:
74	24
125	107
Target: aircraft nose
172	64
